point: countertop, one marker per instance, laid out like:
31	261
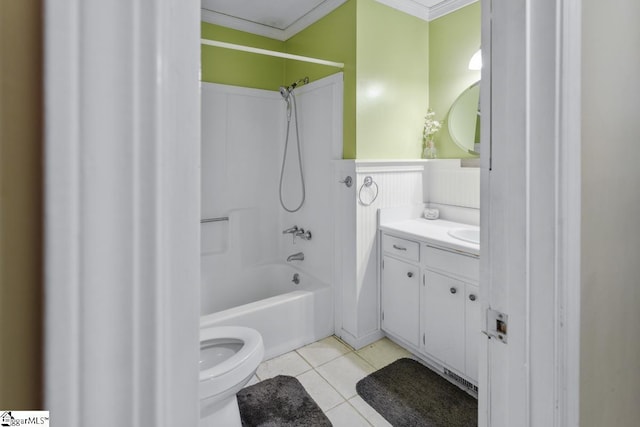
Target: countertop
432	231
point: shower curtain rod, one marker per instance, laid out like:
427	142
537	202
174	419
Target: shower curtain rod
270	53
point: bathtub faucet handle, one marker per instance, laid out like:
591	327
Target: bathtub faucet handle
291	230
306	235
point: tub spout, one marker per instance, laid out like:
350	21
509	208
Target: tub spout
296	257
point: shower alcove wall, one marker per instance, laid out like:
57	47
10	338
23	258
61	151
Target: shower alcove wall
243	134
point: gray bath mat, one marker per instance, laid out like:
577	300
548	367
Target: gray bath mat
279	402
406	393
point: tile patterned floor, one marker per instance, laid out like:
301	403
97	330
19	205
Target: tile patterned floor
329	370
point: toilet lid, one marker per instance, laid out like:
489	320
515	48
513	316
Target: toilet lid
251	346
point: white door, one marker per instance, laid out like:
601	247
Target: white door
122	201
528	212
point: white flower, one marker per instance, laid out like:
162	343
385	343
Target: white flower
431	127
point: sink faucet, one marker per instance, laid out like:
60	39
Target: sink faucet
296	257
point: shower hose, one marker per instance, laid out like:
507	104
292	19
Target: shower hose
292	100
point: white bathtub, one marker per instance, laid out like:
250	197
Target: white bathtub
287	315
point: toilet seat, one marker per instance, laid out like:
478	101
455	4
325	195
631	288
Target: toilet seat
229	356
242	364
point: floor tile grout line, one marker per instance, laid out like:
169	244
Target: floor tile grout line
307	369
335	406
356	409
365	361
349	348
357	412
332	387
323	363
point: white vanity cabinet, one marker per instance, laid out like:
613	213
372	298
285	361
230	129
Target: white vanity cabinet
429	301
401	299
451	316
400	293
444	319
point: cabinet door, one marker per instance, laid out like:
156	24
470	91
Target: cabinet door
400	299
472	331
443	319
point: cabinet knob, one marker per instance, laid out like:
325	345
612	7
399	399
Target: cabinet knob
453	290
410	274
472	297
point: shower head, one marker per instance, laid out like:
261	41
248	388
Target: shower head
285	91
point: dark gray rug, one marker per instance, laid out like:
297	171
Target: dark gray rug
279	402
407	393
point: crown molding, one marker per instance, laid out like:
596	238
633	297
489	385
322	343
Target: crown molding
410	7
303	22
216	18
322	10
426	13
446	7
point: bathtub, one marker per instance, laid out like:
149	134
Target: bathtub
288	315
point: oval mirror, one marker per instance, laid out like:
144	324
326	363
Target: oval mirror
464	119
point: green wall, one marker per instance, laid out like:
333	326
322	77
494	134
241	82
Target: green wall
392	82
453	39
237	68
396	67
386	86
332	38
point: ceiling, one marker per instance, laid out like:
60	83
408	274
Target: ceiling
282	19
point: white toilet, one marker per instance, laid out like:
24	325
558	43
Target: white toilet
229	356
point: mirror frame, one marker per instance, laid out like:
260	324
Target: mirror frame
451	129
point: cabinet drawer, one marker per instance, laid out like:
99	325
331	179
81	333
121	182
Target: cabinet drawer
402	248
450	261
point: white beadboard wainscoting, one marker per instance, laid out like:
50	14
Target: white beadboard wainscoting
454	190
447	183
399	183
439	183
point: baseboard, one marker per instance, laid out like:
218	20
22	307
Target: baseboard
359	342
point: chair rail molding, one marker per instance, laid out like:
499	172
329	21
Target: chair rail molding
122	211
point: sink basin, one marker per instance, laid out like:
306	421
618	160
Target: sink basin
466	234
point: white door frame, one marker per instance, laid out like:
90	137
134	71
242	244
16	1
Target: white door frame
531	211
122	130
122	211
